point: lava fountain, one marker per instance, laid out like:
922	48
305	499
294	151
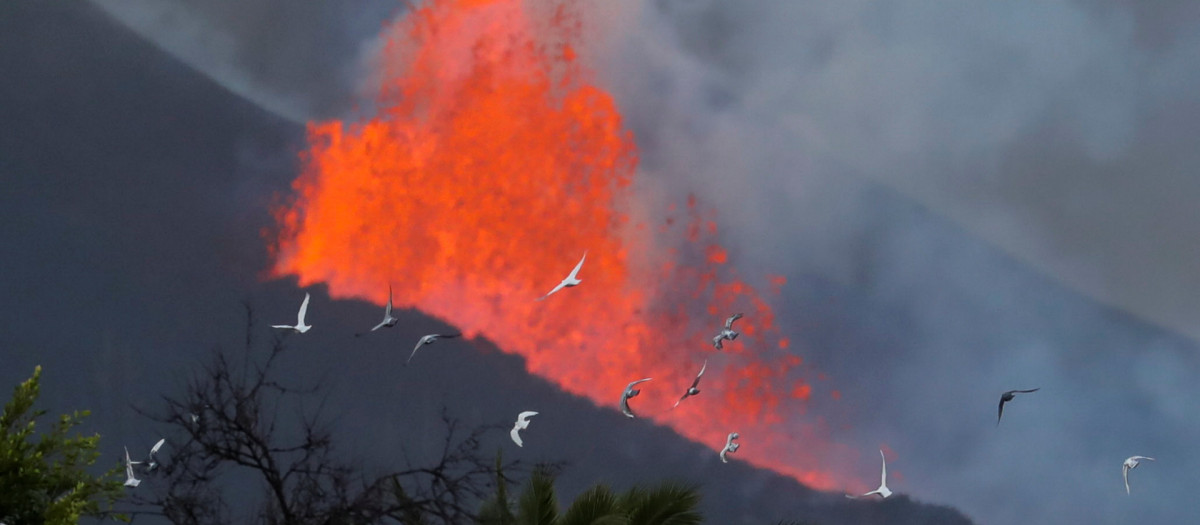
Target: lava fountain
491	164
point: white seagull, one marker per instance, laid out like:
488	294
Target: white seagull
388	321
730	446
694	389
300	327
727	332
522	423
571	279
130	481
1130	464
628	393
428	340
883	490
152	461
1008	396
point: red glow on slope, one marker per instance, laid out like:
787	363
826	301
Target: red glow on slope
492	165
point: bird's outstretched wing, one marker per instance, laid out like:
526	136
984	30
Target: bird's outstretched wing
685	396
156	447
1026	391
732	318
129	469
1000	413
633	384
575	271
717	341
883	476
1125	474
696	382
515	434
551	292
625	406
415	348
380	325
303	310
387	311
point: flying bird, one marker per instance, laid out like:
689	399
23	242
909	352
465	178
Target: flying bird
628	393
152	461
300	327
1008	396
694	389
428	340
730	446
196	417
1131	464
727	332
883	490
388	321
522	423
130	480
571	279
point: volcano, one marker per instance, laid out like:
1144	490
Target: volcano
492	163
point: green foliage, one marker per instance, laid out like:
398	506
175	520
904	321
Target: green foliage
43	478
538	505
410	513
596	506
665	504
496	511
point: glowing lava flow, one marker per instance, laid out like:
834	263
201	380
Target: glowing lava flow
490	168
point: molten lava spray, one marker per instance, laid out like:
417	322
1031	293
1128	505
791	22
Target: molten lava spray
490	168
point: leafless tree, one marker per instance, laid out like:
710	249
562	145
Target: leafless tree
232	428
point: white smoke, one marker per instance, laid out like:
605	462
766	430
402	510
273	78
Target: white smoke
897	153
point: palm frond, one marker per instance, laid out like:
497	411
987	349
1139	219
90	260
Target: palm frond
666	504
538	505
597	506
496	511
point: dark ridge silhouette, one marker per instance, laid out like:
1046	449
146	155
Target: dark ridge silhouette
135	192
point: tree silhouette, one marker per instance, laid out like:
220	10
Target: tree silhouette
231	431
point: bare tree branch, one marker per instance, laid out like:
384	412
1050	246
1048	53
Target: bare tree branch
232	426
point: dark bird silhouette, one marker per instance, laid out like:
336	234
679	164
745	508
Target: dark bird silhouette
1008	396
695	388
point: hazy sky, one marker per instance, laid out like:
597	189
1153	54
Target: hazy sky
943	101
967	197
902	149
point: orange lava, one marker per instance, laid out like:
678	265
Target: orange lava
491	166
